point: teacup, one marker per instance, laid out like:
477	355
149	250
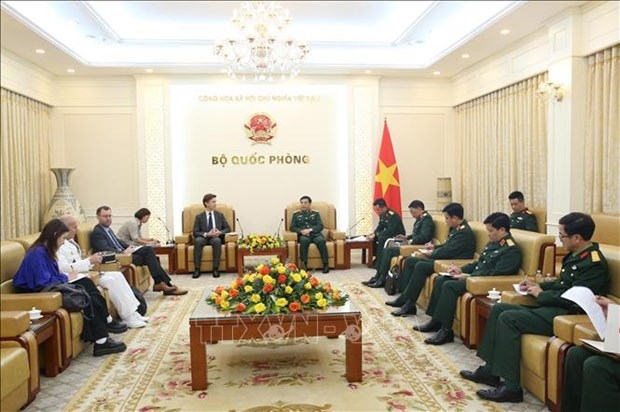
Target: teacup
34	313
494	294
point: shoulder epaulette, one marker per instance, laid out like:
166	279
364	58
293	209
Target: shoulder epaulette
509	242
595	256
460	227
424	214
390	212
297	211
527	211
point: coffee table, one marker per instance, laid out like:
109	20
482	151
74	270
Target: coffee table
207	325
281	252
367	254
171	252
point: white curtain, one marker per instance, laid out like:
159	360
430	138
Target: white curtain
602	139
502	143
26	183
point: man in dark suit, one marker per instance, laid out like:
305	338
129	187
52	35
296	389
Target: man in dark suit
209	229
103	239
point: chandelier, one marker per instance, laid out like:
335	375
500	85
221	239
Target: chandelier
263	46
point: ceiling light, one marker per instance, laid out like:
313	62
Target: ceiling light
39	51
437	73
70	70
504	32
263	46
148	70
465	56
367	71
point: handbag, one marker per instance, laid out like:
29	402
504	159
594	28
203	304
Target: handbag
142	307
75	298
391	281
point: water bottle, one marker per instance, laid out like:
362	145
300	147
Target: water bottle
539	277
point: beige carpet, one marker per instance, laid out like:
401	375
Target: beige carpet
399	371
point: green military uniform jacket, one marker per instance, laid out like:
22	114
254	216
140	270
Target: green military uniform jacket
586	268
460	244
423	230
497	258
390	225
307	219
525	220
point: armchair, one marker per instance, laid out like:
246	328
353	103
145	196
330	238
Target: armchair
185	243
334	239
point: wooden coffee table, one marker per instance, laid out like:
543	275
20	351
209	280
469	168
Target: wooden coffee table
207	325
367	253
483	310
171	252
281	252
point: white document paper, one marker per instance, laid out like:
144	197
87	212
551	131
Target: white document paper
445	274
358	239
517	287
79	276
585	299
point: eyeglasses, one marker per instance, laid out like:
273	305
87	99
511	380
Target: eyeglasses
561	236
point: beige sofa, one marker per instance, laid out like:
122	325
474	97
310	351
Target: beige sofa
334	238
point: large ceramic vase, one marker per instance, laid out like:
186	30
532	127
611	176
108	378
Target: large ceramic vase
64	202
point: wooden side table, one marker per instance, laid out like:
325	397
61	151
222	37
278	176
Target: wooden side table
367	253
45	331
281	252
483	310
171	252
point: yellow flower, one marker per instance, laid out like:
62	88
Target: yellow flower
281	269
268	279
225	304
336	294
255	298
296	277
260	307
275	261
259	267
246	278
224	294
307	286
214	295
248	288
288	290
281	302
233	284
304	274
318	296
251	278
321	303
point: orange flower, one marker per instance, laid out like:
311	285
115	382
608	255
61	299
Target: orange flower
327	288
240	307
233	293
268	288
239	282
314	282
305	298
265	270
294	306
219	289
218	300
292	266
282	279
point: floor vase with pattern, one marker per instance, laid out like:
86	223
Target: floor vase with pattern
63	201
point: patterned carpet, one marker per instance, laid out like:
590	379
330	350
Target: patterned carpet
399	371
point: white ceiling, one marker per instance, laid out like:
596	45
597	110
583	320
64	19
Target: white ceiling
400	38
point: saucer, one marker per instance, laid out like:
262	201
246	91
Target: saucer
494	298
36	317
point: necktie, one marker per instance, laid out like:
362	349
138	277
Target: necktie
209	221
115	242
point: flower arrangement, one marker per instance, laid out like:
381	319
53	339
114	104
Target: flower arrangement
274	288
260	242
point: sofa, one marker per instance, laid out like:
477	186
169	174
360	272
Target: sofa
19	361
185	243
335	239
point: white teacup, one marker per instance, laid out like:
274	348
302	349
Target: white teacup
34	313
494	294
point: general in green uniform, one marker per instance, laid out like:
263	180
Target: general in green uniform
501	342
308	225
390	225
460	244
501	256
422	232
591	382
521	217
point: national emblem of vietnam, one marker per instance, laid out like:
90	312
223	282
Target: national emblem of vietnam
260	128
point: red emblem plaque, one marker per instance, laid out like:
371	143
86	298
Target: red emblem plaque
260	128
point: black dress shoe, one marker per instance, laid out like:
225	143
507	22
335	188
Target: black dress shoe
501	394
407	309
443	336
396	303
325	269
108	347
480	376
369	281
216	273
196	274
116	327
379	283
430	326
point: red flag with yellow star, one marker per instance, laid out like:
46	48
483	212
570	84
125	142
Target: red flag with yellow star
387	181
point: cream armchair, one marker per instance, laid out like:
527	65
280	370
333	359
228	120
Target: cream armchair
334	239
185	242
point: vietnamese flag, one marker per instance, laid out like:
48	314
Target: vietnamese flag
387	181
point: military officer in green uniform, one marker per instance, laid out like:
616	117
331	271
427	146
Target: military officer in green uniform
460	244
584	266
390	225
422	232
591	380
308	225
521	217
501	256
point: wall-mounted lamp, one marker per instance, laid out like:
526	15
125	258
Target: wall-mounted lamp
550	90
